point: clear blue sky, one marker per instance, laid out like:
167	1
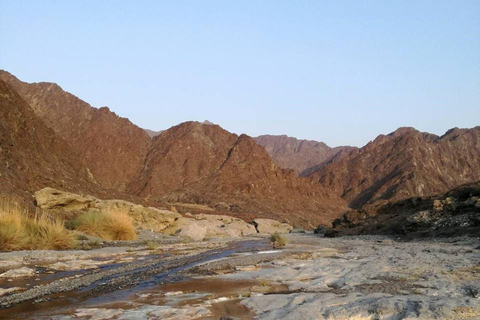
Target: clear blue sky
335	71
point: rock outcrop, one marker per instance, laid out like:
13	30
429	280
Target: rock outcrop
299	155
198	227
144	217
194	227
455	213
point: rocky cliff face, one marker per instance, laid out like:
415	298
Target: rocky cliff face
110	146
199	163
404	164
32	156
299	155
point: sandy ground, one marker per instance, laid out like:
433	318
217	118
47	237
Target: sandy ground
311	278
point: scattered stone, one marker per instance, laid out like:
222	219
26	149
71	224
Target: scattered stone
9	290
98	313
18	273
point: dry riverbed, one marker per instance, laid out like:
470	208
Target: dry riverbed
311	278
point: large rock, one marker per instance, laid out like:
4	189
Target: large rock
269	226
49	198
221	225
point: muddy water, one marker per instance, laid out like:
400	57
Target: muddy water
221	296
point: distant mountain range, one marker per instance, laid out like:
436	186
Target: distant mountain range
299	155
49	137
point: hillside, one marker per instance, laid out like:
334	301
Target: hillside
110	146
32	156
199	163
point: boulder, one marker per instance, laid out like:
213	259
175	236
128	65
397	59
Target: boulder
269	226
193	232
49	198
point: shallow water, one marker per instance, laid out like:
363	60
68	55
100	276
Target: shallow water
151	291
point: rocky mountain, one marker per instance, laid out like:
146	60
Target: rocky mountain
111	147
299	155
199	163
196	163
403	164
32	156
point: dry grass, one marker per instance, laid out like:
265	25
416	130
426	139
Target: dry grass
19	231
107	225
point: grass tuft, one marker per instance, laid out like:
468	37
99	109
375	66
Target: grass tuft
18	231
278	241
106	225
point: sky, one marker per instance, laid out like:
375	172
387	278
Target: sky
337	71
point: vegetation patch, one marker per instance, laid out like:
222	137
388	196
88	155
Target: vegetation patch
19	231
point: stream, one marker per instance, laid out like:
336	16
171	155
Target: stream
118	284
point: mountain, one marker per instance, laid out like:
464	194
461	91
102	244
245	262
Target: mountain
403	164
111	147
32	156
198	163
299	155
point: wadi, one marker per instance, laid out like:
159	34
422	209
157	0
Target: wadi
101	219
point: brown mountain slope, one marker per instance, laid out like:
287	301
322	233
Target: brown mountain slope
404	164
31	155
199	163
112	147
299	155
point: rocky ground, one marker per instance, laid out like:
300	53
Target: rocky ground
363	277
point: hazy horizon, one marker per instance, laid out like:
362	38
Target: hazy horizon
337	72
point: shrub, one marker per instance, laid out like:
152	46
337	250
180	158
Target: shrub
278	240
